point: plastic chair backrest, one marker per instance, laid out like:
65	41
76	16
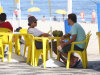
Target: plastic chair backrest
5	37
87	39
27	38
30	37
5	30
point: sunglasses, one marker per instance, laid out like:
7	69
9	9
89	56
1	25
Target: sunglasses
35	22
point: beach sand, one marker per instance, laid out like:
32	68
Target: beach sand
93	46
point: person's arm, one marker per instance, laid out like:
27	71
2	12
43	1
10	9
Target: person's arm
71	40
65	36
66	43
45	35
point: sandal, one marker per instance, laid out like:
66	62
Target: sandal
75	65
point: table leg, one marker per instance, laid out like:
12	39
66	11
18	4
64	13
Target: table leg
33	53
44	52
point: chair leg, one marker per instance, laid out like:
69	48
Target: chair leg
31	61
37	57
2	54
83	60
28	55
2	51
31	56
86	60
46	54
68	60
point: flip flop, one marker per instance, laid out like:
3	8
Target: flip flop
76	64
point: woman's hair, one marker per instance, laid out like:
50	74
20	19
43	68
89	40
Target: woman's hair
72	17
2	16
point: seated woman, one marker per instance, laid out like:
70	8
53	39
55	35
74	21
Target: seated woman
32	23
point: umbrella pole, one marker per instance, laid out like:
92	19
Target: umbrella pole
50	26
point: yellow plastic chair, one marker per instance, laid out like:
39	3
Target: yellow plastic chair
6	39
36	53
1	50
27	43
83	53
26	40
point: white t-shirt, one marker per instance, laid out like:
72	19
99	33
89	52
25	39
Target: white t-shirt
35	32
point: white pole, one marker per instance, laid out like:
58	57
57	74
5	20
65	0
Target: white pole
69	6
19	13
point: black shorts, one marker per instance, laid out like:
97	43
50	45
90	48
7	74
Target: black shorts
39	45
67	48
